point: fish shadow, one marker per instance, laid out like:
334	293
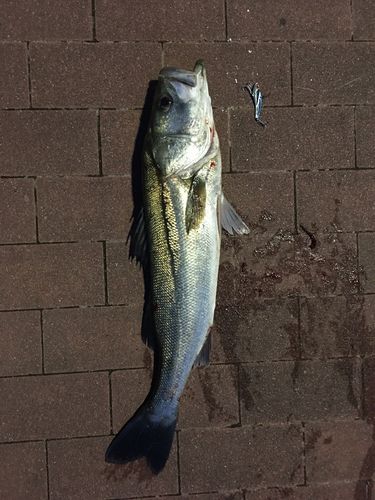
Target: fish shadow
137	191
136	163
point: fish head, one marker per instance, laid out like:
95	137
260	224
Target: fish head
181	127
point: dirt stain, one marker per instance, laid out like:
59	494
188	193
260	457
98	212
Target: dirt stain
136	471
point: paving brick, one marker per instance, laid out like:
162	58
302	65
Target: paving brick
230	495
118	135
46	20
366	244
197	20
71	209
17	211
225	459
231	65
96	338
369	395
262	199
210	398
92	75
281	264
51	275
295	139
338	451
365	136
14	83
48	142
336	201
27	463
333	73
364	15
338	326
77	470
54	406
289	20
256	330
300	390
336	491
21	352
226	279
124	278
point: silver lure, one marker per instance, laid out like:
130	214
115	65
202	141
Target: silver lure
257	98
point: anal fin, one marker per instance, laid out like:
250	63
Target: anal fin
203	357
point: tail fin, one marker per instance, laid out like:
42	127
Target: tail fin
143	436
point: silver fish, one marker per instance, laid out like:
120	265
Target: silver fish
178	236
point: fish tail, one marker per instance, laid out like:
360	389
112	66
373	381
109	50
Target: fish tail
144	435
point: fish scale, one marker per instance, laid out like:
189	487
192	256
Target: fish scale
177	237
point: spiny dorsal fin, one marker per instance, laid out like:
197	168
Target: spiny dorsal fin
138	248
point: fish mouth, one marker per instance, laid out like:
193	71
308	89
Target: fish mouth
187	77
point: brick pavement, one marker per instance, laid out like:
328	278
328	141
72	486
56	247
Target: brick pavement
287	407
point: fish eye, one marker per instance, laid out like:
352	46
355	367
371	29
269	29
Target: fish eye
165	103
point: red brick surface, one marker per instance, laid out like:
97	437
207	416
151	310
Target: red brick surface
289	20
260	202
300	391
227	459
21	340
314	138
336	491
17	217
76	471
118	134
366	242
92	75
23	471
198	19
287	407
55	406
51	275
339	451
333	73
364	15
46	20
333	201
94	338
365	137
74	209
14	76
48	143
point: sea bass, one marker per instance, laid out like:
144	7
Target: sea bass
178	236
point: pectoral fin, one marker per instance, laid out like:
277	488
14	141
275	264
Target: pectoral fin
229	219
196	204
